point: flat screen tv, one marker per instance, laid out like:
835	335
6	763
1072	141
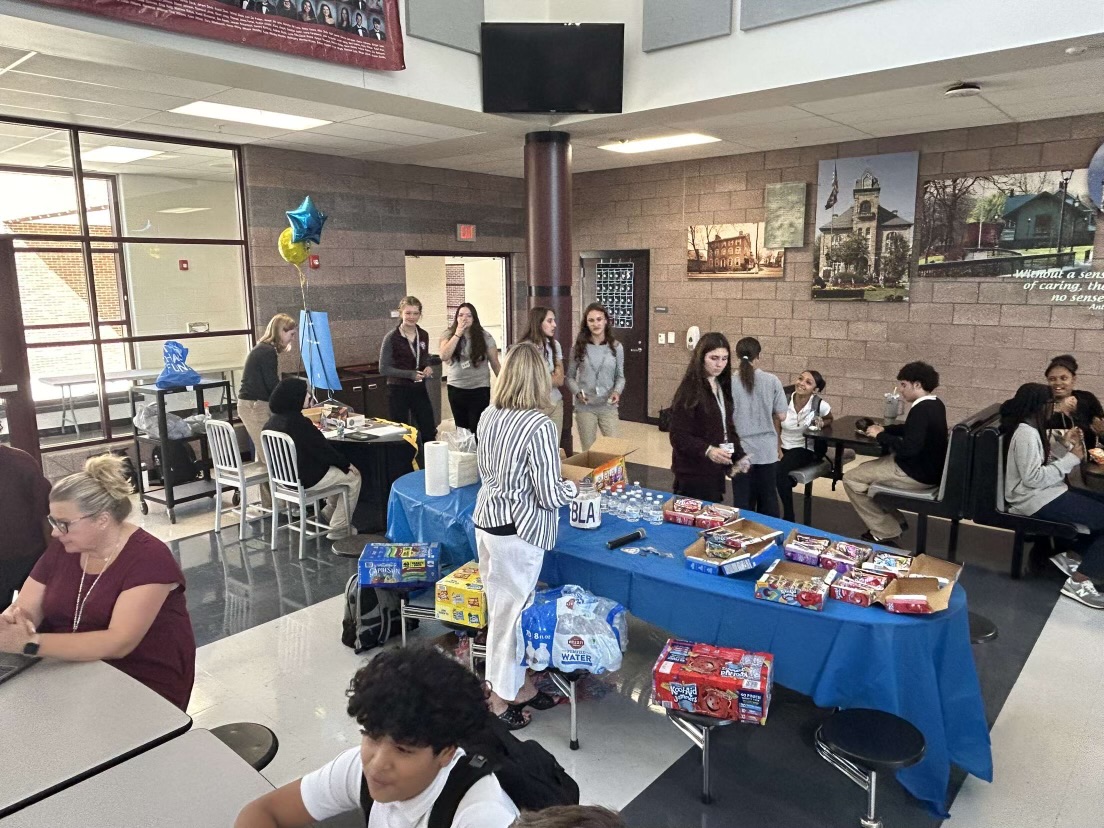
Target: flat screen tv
553	67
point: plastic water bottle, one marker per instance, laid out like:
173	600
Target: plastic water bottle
607	500
632	510
654	515
619	505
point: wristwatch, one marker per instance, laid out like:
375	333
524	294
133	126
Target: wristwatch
31	648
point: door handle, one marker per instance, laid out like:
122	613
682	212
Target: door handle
8	389
636	350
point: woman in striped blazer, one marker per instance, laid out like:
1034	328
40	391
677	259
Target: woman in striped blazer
516	518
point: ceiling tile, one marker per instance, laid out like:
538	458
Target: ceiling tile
65	109
286	105
392	123
119	77
229	131
9	56
97	93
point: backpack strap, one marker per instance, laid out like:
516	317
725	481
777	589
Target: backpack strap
465	773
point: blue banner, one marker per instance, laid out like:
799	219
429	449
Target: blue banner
316	346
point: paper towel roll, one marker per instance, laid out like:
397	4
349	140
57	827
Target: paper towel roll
437	468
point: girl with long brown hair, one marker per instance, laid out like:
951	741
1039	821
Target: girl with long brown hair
542	333
470	354
596	375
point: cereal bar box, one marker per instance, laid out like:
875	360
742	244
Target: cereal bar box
721	682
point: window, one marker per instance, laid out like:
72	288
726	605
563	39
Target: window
121	244
1043	224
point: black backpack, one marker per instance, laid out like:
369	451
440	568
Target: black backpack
528	773
181	465
371	616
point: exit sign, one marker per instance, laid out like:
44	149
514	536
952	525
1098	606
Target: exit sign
465	232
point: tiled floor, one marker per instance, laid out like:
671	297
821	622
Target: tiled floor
269	626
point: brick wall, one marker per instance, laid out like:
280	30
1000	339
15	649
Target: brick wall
984	336
377	212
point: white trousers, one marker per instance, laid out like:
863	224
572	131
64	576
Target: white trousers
509	568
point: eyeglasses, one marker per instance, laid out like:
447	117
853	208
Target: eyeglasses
63	525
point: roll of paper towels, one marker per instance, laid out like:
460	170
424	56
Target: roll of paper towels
437	468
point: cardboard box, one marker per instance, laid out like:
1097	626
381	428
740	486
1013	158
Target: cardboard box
682	518
804	553
925	589
843	556
795	584
859	588
460	598
722	682
885	562
313	414
713	560
399	564
603	465
714	516
737	534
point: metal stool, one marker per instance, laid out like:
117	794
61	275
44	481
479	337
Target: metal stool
805	476
565	683
862	743
697	728
981	629
254	743
413	612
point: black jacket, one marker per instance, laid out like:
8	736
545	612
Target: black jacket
696	429
314	453
260	374
919	445
1088	407
398	362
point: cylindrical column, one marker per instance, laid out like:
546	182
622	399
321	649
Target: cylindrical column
548	236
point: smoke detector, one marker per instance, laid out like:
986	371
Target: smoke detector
962	90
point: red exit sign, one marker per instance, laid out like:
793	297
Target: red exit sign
465	232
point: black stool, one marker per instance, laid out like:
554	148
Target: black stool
981	629
697	728
862	743
254	743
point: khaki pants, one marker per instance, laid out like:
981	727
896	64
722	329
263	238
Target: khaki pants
882	523
254	414
589	421
556	416
334	511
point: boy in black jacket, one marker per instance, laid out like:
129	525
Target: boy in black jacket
320	464
918	451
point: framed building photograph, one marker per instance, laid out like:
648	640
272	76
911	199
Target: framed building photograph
731	251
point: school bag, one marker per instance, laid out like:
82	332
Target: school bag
181	465
528	773
371	616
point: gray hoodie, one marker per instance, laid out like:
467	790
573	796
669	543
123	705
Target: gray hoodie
1029	484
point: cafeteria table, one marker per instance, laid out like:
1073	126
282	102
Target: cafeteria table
193	780
919	667
64	721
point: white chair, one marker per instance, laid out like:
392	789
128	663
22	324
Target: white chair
229	471
283	475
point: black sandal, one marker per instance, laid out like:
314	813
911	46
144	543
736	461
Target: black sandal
541	701
513	717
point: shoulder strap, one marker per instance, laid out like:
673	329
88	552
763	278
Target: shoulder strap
465	773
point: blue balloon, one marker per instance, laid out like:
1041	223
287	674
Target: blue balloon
306	222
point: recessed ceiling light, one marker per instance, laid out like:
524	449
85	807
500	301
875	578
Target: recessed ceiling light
245	115
117	155
962	90
185	210
687	139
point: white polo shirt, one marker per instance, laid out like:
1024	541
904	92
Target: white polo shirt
335	789
795	423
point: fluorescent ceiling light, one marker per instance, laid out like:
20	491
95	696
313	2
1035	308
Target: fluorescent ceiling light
117	155
245	115
185	210
688	139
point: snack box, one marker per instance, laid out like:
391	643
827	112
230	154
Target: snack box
739	533
460	598
842	556
683	510
399	564
722	682
603	465
925	589
858	587
702	556
313	414
804	548
894	564
714	516
795	584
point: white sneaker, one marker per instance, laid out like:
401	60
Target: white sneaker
1083	591
1066	562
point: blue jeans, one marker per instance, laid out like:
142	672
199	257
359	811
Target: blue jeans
1081	507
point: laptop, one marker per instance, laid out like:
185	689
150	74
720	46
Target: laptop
11	664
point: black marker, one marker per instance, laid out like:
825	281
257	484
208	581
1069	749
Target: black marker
621	541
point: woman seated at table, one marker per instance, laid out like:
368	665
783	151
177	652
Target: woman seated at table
1035	469
806	408
321	466
1072	406
105	589
516	518
704	445
471	354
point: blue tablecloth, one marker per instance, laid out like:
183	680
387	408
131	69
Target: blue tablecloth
918	667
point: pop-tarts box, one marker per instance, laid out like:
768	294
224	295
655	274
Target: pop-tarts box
722	682
400	564
460	598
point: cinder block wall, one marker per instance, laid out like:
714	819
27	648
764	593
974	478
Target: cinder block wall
984	336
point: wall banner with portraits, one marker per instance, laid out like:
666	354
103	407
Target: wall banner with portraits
363	33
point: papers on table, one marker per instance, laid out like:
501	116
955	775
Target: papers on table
384	430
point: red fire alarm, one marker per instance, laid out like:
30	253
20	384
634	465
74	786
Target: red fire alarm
183	263
314	262
465	232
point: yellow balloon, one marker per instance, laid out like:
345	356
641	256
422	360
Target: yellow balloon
292	252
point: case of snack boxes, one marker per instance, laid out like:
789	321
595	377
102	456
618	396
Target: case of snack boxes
701	556
925	589
460	598
859	588
721	682
603	464
399	564
843	556
795	584
804	548
683	510
715	515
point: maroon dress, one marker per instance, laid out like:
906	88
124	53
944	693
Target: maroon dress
164	660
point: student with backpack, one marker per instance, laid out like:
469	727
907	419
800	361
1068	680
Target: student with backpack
415	707
806	408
